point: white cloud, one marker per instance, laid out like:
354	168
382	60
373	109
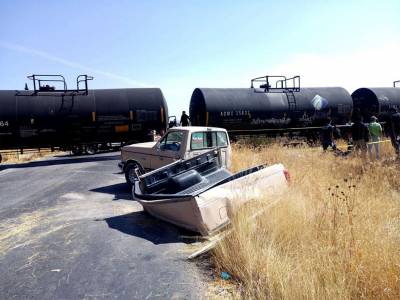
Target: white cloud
74	65
376	66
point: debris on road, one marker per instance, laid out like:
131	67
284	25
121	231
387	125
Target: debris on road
225	276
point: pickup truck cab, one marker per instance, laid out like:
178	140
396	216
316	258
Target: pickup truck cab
178	143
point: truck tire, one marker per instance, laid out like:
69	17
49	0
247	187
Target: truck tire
130	173
91	149
76	150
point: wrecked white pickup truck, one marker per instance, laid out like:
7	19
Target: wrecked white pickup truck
198	193
177	144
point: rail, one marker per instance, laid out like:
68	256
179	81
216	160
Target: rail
288	129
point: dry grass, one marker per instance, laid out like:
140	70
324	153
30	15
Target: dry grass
334	235
15	157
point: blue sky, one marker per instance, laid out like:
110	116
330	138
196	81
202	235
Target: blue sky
181	45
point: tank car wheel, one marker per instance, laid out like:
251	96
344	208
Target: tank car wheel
76	150
131	172
104	146
91	149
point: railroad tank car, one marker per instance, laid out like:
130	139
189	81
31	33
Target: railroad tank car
375	102
65	120
248	109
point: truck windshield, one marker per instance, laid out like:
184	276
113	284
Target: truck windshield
172	141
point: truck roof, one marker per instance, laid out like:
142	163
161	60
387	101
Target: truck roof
197	128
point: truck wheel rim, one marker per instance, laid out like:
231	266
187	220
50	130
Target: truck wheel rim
91	150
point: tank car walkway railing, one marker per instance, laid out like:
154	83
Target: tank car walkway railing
278	84
43	85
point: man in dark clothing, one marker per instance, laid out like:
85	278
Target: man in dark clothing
327	136
360	136
394	129
185	119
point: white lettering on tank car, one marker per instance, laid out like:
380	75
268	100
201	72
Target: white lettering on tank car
235	113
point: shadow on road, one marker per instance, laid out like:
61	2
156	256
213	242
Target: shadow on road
121	191
59	161
141	224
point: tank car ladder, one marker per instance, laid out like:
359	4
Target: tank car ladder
291	100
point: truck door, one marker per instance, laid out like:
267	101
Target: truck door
203	141
169	149
225	148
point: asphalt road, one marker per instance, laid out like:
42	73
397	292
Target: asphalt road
69	230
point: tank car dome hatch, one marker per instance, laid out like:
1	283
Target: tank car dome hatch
375	101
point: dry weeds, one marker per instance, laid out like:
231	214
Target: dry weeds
334	235
16	157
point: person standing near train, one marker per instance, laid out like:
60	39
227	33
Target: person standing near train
360	136
327	136
375	132
185	119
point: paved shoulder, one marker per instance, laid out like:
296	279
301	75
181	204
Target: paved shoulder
70	230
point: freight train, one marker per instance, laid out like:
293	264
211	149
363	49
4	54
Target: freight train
82	120
78	119
279	105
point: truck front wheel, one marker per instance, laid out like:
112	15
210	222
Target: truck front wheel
91	149
132	170
76	150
